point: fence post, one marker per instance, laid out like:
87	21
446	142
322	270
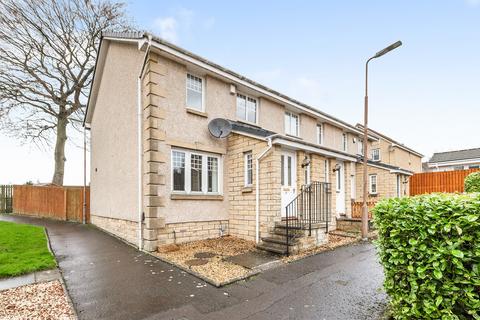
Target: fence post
65	202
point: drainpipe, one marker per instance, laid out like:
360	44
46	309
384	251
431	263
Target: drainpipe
140	147
257	189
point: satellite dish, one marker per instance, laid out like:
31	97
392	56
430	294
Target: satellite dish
220	128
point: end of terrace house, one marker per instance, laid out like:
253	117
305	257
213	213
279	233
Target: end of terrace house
282	177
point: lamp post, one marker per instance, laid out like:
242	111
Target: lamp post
365	140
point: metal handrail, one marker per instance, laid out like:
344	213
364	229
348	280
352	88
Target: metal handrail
310	206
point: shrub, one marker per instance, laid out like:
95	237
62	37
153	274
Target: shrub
429	247
472	182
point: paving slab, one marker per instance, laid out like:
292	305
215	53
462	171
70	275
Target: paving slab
108	279
253	259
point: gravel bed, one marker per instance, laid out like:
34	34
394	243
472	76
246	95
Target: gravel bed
218	270
46	300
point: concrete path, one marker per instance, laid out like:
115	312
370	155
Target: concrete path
108	279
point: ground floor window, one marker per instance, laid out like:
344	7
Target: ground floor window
195	172
248	169
373	183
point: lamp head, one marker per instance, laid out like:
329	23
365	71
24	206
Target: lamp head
388	49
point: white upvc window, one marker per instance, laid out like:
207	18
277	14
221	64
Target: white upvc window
376	154
345	142
320	134
372	183
360	147
292	124
246	108
248	158
196	172
195	92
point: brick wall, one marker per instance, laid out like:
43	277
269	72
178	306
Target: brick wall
124	229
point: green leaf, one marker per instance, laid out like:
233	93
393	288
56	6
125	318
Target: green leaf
457	253
438	301
438	274
413	241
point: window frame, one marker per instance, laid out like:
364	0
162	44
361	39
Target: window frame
373	154
345	142
370	184
320	134
202	109
204	172
246	176
291	115
257	103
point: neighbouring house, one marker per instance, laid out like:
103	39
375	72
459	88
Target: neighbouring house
454	160
282	177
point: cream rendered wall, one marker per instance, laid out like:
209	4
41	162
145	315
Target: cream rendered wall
190	130
113	136
271	116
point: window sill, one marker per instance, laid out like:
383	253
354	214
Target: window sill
373	194
247	189
215	197
197	112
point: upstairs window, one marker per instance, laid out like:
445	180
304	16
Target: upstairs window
291	124
319	133
376	154
248	169
373	184
360	147
194	92
345	142
246	108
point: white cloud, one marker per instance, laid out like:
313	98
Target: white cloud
181	24
167	27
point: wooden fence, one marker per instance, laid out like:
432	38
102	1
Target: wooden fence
6	198
357	209
60	203
445	181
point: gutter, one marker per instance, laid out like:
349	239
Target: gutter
139	145
257	189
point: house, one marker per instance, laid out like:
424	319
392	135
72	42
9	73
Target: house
454	160
390	166
281	177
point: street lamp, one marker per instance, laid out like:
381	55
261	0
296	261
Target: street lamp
365	140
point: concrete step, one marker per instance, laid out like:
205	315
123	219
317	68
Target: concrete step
274	249
281	241
282	232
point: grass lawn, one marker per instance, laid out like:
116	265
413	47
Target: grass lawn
23	249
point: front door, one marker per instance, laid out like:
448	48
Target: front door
288	178
340	187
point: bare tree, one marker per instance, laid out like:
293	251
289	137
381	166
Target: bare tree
47	58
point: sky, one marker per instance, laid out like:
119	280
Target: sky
425	94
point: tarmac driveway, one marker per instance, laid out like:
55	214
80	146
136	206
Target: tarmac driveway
108	279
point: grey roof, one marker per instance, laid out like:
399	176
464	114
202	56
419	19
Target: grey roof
142	34
455	155
383	165
250	129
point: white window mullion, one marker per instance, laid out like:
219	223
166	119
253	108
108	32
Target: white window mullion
204	174
188	172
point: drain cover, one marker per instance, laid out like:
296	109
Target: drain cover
204	255
196	262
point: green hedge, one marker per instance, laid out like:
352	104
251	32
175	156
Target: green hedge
429	247
472	182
